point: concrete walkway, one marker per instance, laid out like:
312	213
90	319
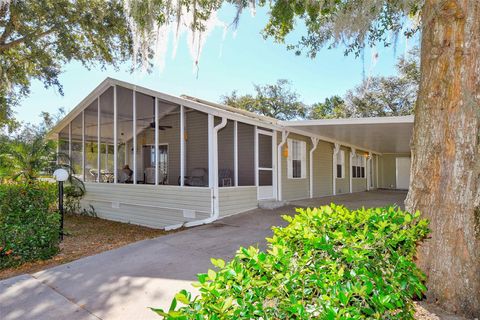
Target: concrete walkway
123	283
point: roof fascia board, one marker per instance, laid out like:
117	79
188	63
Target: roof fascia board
371	120
327	139
99	90
215	111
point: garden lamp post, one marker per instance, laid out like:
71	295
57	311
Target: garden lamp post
60	175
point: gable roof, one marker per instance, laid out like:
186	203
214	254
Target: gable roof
376	135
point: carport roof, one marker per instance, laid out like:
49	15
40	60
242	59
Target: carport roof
381	134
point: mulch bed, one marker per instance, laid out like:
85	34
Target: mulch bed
86	236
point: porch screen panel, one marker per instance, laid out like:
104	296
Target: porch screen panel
246	154
77	155
63	147
226	170
124	135
145	126
196	148
91	145
168	143
106	136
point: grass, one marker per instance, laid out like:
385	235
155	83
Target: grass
85	236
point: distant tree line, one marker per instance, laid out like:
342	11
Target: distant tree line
377	96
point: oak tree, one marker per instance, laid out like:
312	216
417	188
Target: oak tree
38	37
277	100
445	172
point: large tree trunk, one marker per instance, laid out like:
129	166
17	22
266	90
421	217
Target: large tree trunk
445	173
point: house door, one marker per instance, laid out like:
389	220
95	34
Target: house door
265	164
403	172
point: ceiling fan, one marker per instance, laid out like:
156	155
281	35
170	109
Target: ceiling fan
162	128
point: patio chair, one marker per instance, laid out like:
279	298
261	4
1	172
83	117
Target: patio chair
225	177
197	178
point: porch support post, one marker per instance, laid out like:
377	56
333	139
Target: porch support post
58	149
115	138
376	169
353	153
336	150
106	156
98	140
83	145
182	146
368	169
314	147
235	152
156	142
255	146
274	165
70	143
279	164
134	106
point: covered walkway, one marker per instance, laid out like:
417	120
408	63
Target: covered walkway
376	198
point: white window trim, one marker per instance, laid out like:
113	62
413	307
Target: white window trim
359	160
303	159
342	163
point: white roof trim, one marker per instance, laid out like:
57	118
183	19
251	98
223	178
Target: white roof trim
230	113
370	120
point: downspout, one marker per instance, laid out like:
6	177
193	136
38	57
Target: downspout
279	165
215	208
315	144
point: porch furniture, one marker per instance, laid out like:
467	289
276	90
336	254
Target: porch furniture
197	178
225	177
94	174
123	177
107	176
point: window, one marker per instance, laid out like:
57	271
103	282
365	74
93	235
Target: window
358	166
297	160
341	164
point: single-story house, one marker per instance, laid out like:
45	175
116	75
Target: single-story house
163	161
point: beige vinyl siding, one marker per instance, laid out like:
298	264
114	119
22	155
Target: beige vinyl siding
387	170
359	185
148	205
343	185
297	188
234	200
323	169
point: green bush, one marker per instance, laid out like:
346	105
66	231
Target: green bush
29	222
328	263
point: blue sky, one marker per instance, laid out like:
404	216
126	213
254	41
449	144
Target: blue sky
234	63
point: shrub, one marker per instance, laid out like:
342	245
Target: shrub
328	263
29	222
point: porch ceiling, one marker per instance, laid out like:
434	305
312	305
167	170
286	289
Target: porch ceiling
383	135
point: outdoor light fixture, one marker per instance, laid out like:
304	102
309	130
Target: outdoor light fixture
60	175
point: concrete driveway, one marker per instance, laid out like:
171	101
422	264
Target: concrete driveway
123	283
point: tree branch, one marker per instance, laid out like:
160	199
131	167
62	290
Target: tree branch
8	28
6	46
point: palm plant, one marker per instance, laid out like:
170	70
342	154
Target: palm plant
31	158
